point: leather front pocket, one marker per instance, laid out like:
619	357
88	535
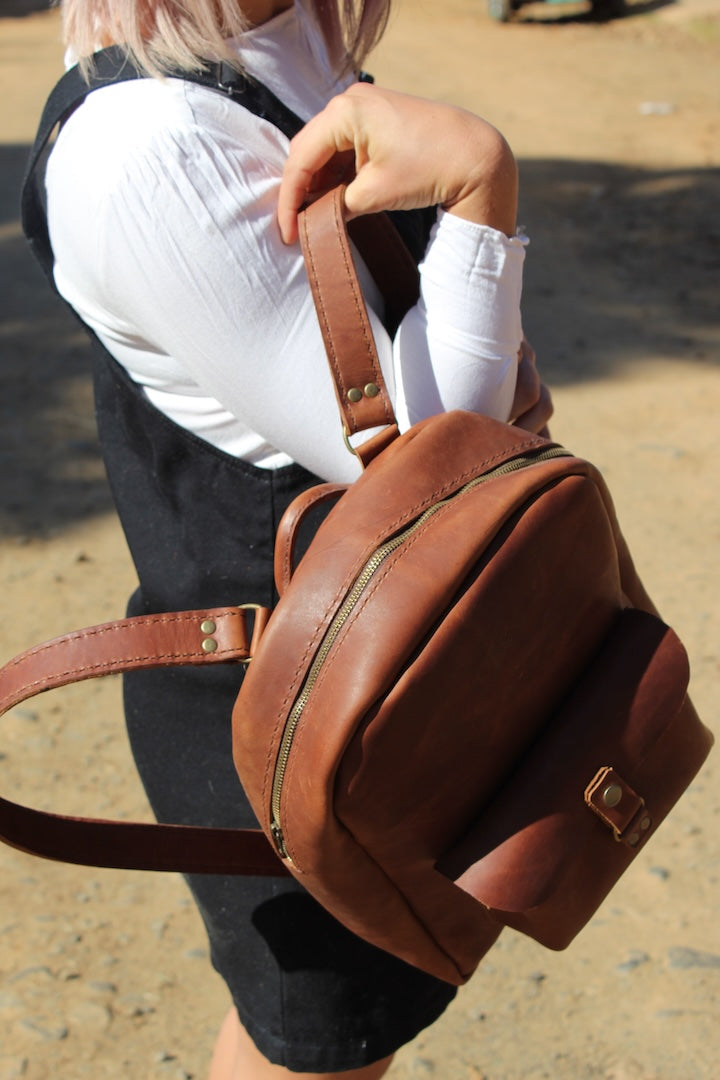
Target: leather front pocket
590	791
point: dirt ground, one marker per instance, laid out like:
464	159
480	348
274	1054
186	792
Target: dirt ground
617	129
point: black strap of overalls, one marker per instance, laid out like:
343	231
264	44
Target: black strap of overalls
113	66
393	271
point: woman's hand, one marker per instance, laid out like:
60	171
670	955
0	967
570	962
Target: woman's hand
399	152
532	406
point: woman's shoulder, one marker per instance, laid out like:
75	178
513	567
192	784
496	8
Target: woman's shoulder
166	123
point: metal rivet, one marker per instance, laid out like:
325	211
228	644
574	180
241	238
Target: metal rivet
208	626
354	394
645	823
612	795
371	390
633	839
209	645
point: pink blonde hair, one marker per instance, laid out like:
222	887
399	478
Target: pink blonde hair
171	35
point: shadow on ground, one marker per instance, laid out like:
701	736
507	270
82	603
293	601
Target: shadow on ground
537	11
628	256
51	468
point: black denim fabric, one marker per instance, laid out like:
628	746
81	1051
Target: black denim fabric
201	528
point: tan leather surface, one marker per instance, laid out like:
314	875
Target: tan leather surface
136	845
390	263
290	524
144	641
538	855
344	323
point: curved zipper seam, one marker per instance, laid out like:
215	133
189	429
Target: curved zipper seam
350	603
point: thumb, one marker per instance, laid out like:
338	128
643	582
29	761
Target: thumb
371	191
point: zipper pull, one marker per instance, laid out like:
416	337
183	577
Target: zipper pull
279	840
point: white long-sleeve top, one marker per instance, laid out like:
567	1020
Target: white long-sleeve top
162	213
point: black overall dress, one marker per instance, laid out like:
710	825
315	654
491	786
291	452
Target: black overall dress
200	526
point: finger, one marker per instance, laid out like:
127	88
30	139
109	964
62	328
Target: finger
364	195
528	385
339	170
527	351
296	189
536	418
310	151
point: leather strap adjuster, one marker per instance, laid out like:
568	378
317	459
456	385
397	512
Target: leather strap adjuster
619	807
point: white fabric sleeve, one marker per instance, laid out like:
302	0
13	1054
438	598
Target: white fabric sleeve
188	272
457	349
181	267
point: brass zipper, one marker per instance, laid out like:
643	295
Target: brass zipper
354	595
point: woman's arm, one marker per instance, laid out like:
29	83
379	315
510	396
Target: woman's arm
461	346
169	247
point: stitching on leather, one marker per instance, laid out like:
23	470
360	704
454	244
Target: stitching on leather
110	666
367	596
360	308
291	694
457	481
322	313
345	404
281	718
388	530
323	675
377	582
126	626
349	578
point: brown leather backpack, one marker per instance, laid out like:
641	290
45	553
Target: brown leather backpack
464	711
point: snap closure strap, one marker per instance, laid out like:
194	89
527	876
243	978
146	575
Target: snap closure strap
620	807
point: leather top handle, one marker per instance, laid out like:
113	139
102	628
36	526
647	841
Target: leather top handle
177	638
360	389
